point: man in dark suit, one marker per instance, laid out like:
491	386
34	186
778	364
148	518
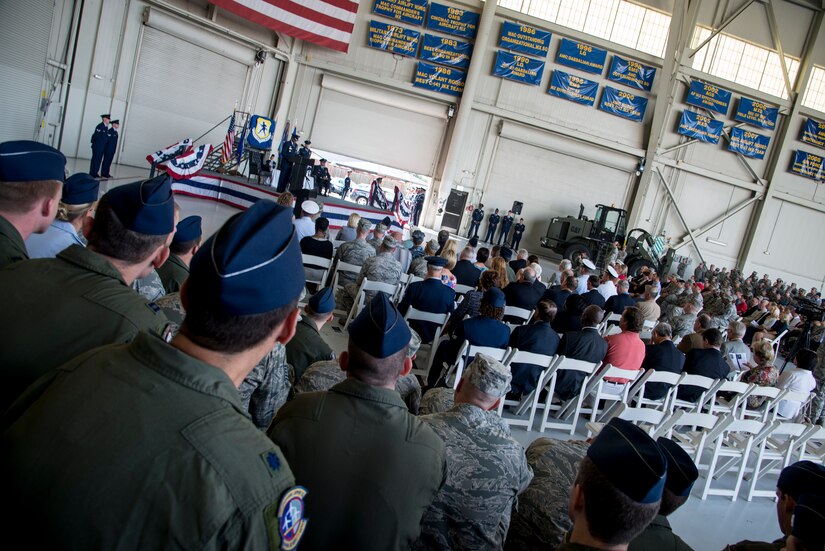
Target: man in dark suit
707	361
618	302
537	337
593	296
465	271
521	260
586	345
521	293
430	295
289	149
559	293
661	355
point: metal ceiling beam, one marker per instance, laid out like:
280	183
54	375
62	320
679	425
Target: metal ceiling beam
722	26
777	43
710	174
679	213
685	239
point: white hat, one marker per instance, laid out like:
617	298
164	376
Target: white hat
310	207
588	264
612	271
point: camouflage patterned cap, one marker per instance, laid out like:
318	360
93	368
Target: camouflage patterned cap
365	224
488	375
380	228
415	344
390	242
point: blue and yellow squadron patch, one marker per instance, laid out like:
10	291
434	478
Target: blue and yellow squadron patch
291	521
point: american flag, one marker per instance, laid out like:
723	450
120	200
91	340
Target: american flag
327	23
226	155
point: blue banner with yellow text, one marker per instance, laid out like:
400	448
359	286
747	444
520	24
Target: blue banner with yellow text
573	88
701	127
631	73
756	113
450	20
446	51
440	79
581	56
408	11
623	104
392	38
524	39
813	132
519	68
702	94
807	165
747	143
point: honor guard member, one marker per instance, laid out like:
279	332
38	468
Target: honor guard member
308	346
99	139
430	296
518	231
681	474
80	300
417	248
347	184
802	477
486	467
506	224
160	450
31	183
322	177
808	521
184	245
109	150
76	205
492	224
305	151
420	197
475	222
370	467
608	507
289	149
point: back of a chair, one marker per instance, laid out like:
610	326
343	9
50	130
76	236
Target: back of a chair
698	380
523	357
336	244
578	365
775	342
496	353
648	324
345	267
747	426
323	263
618	373
612	330
639	415
463	289
814	448
387	288
420	315
521	313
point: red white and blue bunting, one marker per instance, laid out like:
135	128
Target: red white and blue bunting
190	163
169	152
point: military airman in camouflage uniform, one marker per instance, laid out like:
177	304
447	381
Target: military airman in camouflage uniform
541	519
149	287
486	468
408	386
436	400
355	252
418	267
377	236
383	268
818	405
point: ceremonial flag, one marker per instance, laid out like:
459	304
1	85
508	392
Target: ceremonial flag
327	23
295	130
169	152
226	154
189	164
404	206
239	153
284	138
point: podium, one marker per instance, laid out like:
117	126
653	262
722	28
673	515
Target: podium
301	169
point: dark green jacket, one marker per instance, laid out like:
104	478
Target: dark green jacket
747	545
53	309
658	536
140	446
306	347
12	246
370	467
173	273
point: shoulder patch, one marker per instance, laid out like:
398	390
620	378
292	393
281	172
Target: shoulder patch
291	521
153	307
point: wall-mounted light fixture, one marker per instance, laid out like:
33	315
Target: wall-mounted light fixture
716	242
450	111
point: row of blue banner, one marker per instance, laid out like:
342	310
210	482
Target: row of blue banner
437	78
713	98
403	41
439	17
807	165
707	129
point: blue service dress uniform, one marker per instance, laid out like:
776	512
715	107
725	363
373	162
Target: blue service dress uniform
288	150
506	223
430	295
99	139
492	224
477	217
347	184
518	231
109	151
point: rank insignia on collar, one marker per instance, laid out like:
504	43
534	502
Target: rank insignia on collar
291	521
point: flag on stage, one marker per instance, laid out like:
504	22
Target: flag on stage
404	206
327	23
295	133
239	153
169	152
189	164
226	154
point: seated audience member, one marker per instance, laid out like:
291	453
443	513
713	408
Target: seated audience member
570	318
418	267
585	345
559	293
381	268
779	327
593	296
407	385
465	271
538	338
647	306
308	346
305	225
350	231
694	340
500	266
472	301
355	252
216	477
585	270
76	204
472	509
808	520
184	245
436	400
430	295
402	252
607	287
521	293
683	323
618	302
417	249
796	480
286	199
361	427
506	254
448	252
681	475
128	237
443	237
537	284
736	352
482	255
625	350
797	377
377	238
317	245
31	184
521	260
556	277
761	370
706	361
661	355
609	508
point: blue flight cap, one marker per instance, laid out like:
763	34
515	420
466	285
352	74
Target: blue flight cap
379	330
145	207
506	253
418	237
802	477
386	221
252	265
681	470
473	242
494	297
630	460
189	229
322	302
28	161
809	520
106	116
436	261
80	189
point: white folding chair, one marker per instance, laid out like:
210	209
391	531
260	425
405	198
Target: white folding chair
324	263
802	398
749	434
776	341
530	401
429	348
646	418
776	452
336	244
733	405
814	447
403	282
609	322
647	330
345	267
706	383
360	299
573	406
768	409
693	441
595	388
637	391
463	289
464	359
522	314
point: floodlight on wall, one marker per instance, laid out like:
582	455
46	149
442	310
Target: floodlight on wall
450	111
97	77
716	242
